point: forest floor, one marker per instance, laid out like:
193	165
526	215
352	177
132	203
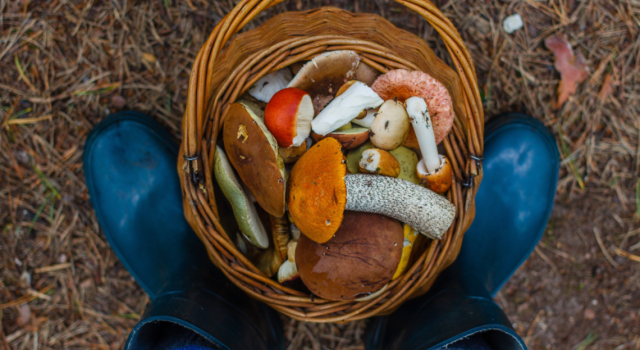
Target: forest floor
66	64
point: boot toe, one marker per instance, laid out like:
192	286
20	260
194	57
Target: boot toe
514	200
130	168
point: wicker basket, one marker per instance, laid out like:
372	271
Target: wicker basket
229	65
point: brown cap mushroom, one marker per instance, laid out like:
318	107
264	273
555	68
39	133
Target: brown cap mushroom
359	260
320	191
349	138
326	73
253	152
402	84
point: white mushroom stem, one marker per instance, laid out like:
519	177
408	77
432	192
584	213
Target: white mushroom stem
344	108
418	207
366	121
423	127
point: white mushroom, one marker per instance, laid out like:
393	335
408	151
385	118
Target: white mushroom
390	126
271	83
434	170
288	272
345	108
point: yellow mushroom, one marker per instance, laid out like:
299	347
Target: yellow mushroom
409	238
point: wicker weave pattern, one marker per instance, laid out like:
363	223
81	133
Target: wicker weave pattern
220	76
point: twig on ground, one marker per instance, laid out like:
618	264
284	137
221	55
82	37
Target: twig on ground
596	232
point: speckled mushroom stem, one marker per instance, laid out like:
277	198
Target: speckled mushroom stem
423	127
419	207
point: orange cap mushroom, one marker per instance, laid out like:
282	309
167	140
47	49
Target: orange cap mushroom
403	84
320	190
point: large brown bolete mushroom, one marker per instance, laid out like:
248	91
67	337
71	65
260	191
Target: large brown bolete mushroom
253	152
358	261
320	190
402	84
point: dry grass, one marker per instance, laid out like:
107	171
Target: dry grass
65	65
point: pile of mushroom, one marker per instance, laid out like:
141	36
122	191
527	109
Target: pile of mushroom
332	173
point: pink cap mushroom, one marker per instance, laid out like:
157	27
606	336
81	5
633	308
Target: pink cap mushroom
403	84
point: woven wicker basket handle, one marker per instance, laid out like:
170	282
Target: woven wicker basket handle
200	90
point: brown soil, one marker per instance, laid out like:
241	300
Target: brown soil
65	65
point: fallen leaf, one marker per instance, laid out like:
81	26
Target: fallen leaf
573	68
150	58
607	87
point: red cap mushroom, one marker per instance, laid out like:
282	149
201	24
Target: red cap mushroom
288	117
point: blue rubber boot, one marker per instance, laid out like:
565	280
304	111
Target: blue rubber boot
513	205
130	169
